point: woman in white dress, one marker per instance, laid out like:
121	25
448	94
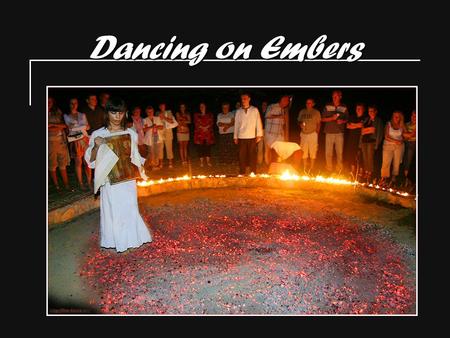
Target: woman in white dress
121	225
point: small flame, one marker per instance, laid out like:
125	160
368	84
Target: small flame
333	180
162	180
145	183
183	178
287	176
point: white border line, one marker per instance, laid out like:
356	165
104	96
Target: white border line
225	60
417	201
205	60
46	188
247	315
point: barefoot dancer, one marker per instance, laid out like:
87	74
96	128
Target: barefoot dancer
121	225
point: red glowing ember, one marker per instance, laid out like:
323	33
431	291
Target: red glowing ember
260	252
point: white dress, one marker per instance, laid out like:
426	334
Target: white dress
121	225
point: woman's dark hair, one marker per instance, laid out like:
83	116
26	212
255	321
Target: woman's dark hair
114	105
54	108
186	110
70	99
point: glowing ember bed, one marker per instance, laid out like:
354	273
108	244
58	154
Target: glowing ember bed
260	250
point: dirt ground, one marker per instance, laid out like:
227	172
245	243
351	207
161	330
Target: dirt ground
243	251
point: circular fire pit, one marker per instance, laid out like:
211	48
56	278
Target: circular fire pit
275	247
285	181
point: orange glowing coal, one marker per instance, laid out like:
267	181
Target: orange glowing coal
286	176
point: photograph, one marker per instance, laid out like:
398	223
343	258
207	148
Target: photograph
232	200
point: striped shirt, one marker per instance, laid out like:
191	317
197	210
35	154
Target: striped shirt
275	126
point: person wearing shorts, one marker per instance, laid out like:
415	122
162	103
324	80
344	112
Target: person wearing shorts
309	120
58	153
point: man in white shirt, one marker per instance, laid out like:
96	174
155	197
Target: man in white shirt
248	132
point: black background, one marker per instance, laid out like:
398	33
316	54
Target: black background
390	30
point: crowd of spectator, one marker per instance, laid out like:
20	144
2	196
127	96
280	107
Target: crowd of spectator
357	145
